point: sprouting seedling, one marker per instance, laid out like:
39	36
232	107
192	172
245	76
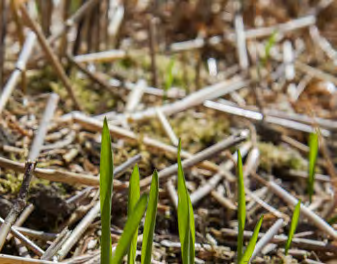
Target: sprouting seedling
150	220
241	206
130	229
270	44
168	77
186	224
252	242
293	226
134	194
313	150
106	185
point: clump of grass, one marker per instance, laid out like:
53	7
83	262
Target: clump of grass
106	185
136	207
313	146
293	226
150	220
244	257
185	217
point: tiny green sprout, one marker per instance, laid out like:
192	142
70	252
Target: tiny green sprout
169	77
130	229
186	224
313	150
293	226
252	243
134	194
106	184
150	220
241	206
270	44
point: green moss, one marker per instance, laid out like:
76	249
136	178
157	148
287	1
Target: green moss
272	156
10	183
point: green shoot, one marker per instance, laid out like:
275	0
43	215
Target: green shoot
134	194
251	245
293	226
313	146
168	77
130	229
270	43
150	220
241	206
185	217
106	184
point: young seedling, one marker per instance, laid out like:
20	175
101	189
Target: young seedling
134	194
293	226
106	184
270	43
241	206
136	207
251	245
185	217
150	220
130	229
313	146
168	78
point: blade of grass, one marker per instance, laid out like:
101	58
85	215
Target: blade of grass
106	184
129	229
134	194
150	220
168	78
313	146
270	43
241	206
293	226
185	217
252	242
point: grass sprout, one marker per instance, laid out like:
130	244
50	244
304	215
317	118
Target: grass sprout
270	44
241	206
106	186
186	224
130	229
150	220
134	194
252	242
293	226
313	146
169	78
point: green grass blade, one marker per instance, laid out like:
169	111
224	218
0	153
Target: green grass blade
185	217
134	194
293	226
241	206
192	230
106	184
168	77
270	43
313	146
130	229
252	242
150	220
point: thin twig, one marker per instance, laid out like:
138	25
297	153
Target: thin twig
199	157
19	68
